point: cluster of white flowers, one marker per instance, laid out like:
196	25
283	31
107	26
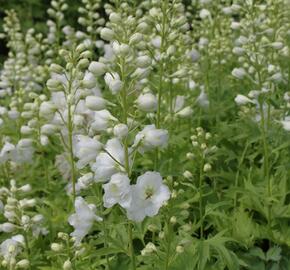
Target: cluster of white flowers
21	218
107	110
140	200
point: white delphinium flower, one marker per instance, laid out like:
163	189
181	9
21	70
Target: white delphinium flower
179	103
147	102
118	190
121	131
82	220
242	100
239	73
107	34
63	165
95	103
7	227
101	120
150	138
113	82
10	248
286	123
204	13
148	195
109	162
24	151
7	152
202	99
185	112
47	110
86	150
97	68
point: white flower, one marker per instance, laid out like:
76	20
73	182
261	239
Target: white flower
204	13
24	151
239	73
242	100
95	103
89	80
97	68
185	112
147	102
121	131
113	82
47	109
11	247
179	103
101	120
150	138
7	227
117	191
202	99
148	195
7	152
86	150
108	163
286	123
82	220
107	34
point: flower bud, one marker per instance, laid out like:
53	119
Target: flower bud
56	68
207	167
239	73
120	131
147	102
135	39
115	17
143	61
187	174
185	112
48	129
23	264
97	68
107	34
56	247
80	48
53	84
83	63
173	220
95	103
179	249
25	188
67	265
7	227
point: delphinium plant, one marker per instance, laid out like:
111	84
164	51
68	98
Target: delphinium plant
148	135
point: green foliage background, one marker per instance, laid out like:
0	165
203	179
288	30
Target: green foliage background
32	13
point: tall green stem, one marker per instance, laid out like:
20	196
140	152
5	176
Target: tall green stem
201	195
126	154
70	138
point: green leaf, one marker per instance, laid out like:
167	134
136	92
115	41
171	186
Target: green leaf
274	254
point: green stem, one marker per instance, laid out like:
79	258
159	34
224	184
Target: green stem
238	172
70	139
126	154
200	199
131	246
168	234
266	159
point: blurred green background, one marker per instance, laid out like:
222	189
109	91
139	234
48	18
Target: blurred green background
32	13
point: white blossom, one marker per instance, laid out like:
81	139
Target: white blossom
86	150
150	138
109	162
82	220
117	191
148	195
